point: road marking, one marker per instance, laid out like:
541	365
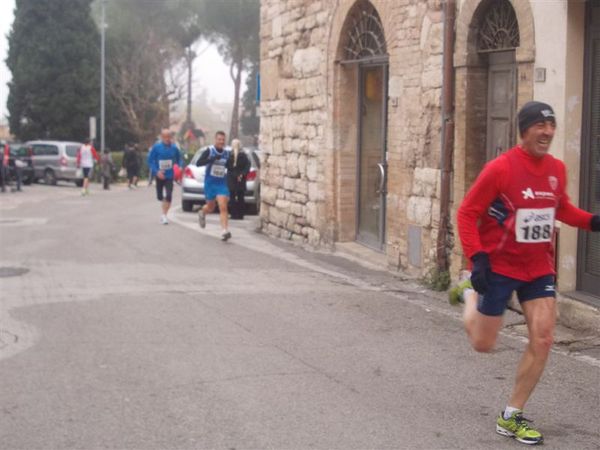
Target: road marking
22	222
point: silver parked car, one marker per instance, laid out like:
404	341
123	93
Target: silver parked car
192	184
55	160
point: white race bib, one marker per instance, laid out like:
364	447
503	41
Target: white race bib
534	225
217	171
165	164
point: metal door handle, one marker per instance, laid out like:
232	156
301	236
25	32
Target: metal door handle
382	179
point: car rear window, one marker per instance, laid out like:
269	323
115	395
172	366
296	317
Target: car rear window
45	150
72	150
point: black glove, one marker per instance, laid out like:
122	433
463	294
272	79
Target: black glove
481	272
595	223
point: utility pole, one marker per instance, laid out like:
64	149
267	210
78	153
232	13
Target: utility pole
103	76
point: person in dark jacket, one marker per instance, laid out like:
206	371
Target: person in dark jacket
236	180
106	167
131	163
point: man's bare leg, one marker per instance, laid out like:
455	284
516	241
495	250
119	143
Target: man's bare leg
541	320
481	329
224	214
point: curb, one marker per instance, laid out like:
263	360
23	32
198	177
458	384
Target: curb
577	315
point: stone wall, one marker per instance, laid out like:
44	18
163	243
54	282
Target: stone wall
309	120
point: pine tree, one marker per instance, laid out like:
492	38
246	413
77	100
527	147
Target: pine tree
54	58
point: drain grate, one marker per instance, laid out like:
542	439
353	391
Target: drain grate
6	272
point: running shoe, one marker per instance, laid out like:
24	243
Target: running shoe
202	219
456	294
225	236
164	220
517	427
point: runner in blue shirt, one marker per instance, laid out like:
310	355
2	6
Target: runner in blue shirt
217	160
161	159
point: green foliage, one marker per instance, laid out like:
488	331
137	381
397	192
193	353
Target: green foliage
436	280
54	59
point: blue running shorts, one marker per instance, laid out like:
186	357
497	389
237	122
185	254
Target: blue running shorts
501	288
212	190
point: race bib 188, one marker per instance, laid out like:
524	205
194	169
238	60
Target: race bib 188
165	164
534	225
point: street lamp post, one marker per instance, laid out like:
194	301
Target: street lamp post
102	75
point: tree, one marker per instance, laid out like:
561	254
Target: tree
186	35
142	72
234	27
250	120
54	59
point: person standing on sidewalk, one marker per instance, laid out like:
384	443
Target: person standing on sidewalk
163	156
85	160
131	163
217	160
506	226
236	180
106	168
4	166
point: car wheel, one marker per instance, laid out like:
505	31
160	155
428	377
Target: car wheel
49	177
27	181
79	183
187	206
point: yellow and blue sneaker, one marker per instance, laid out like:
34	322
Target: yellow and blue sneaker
455	295
517	427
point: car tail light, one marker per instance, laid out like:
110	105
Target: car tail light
188	173
251	175
63	161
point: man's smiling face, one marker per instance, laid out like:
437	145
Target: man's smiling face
537	138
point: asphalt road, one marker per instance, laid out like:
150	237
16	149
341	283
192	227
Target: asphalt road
118	332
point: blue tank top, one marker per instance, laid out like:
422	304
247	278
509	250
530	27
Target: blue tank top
216	172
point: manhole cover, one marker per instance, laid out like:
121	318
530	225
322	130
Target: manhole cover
6	272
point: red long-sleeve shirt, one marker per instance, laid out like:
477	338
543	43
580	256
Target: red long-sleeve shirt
509	213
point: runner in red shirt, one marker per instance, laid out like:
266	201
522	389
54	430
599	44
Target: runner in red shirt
506	226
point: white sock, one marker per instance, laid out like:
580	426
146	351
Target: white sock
508	412
224	230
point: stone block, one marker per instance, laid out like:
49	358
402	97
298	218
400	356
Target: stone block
315	193
419	211
307	61
425	181
276	26
431	78
312	166
269	72
268	194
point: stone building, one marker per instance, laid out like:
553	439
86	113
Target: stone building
352	129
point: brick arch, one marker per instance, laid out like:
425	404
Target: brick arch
340	134
464	49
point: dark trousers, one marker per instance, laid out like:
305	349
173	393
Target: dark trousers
237	205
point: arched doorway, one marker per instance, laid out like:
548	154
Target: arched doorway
497	41
363	82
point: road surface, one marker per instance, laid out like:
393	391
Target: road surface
118	332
